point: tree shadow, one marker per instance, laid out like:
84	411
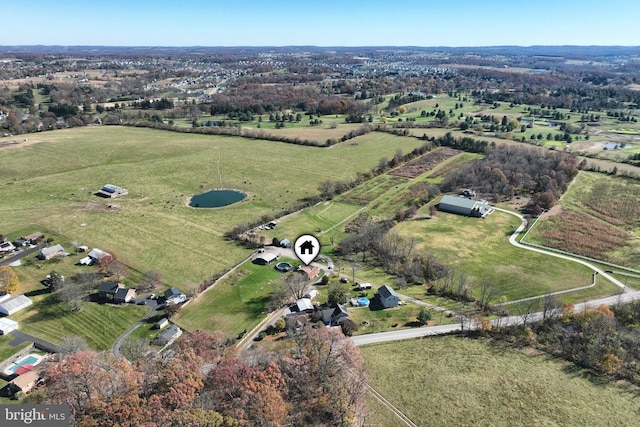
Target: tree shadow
257	305
413	324
38	292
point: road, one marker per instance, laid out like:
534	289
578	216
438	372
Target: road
22	254
153	308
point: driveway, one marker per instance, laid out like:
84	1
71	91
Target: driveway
153	308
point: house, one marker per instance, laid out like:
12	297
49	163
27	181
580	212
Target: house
108	290
51	252
174	296
162	323
309	271
15	304
34	238
387	296
305	305
296	322
307	248
7	325
96	256
124	295
171	292
265	258
168	336
331	316
23	383
110	191
6	247
464	206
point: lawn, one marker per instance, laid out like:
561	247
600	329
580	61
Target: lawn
6	351
99	324
453	381
237	303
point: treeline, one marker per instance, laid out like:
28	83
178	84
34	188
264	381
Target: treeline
507	170
318	380
604	339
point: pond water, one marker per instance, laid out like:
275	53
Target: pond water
216	198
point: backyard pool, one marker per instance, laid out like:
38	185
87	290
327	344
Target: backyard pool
30	359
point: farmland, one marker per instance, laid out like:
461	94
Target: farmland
449	381
51	184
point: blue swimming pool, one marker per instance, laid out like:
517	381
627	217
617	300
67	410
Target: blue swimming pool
31	359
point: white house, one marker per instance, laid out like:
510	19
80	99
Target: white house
15	304
51	252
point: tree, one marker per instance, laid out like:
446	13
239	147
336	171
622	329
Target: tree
348	327
338	293
55	281
73	344
8	280
151	280
296	284
71	294
551	307
424	315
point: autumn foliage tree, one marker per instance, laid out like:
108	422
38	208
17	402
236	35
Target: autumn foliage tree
8	280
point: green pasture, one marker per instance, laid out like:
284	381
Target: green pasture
51	184
480	248
453	381
235	304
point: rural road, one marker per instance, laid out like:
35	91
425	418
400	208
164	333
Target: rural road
153	308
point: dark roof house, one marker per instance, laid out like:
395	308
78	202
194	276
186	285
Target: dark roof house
108	290
331	315
388	297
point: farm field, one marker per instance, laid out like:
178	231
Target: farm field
453	381
480	248
597	217
51	183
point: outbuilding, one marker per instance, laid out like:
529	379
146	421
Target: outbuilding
265	258
162	323
7	325
464	206
51	252
15	304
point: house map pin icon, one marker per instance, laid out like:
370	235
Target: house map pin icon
307	248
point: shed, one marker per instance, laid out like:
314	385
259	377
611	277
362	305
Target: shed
364	286
98	256
305	305
15	304
169	335
7	325
110	191
464	206
162	323
51	252
265	258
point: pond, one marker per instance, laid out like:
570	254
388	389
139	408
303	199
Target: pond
216	198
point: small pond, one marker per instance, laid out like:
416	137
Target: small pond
216	198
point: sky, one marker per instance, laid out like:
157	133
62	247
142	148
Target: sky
319	23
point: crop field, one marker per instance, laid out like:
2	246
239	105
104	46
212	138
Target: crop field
51	184
480	248
598	217
452	381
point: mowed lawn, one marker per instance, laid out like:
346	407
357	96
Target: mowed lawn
453	381
51	184
235	304
481	249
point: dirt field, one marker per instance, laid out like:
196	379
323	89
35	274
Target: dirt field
424	163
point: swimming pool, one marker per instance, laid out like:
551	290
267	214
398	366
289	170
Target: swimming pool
29	359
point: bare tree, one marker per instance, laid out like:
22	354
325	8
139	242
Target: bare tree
487	294
72	293
551	307
151	280
134	350
296	284
73	344
526	309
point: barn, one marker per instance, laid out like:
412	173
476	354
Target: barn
110	191
464	206
15	304
7	325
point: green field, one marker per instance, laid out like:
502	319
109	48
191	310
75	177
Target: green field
480	248
453	381
51	185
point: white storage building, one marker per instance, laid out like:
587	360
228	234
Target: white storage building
7	325
14	304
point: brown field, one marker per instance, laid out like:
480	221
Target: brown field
424	163
317	133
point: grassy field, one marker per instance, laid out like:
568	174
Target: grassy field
480	248
235	304
452	381
51	184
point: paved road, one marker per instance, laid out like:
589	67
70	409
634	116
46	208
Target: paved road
20	337
153	308
22	254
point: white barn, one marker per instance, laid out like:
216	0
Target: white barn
7	325
15	304
464	206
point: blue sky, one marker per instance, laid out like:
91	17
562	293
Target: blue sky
320	23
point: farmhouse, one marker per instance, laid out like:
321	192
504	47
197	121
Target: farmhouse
110	191
331	316
464	206
388	297
51	252
6	247
7	325
15	304
310	272
124	295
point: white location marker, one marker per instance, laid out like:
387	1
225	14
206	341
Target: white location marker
307	248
